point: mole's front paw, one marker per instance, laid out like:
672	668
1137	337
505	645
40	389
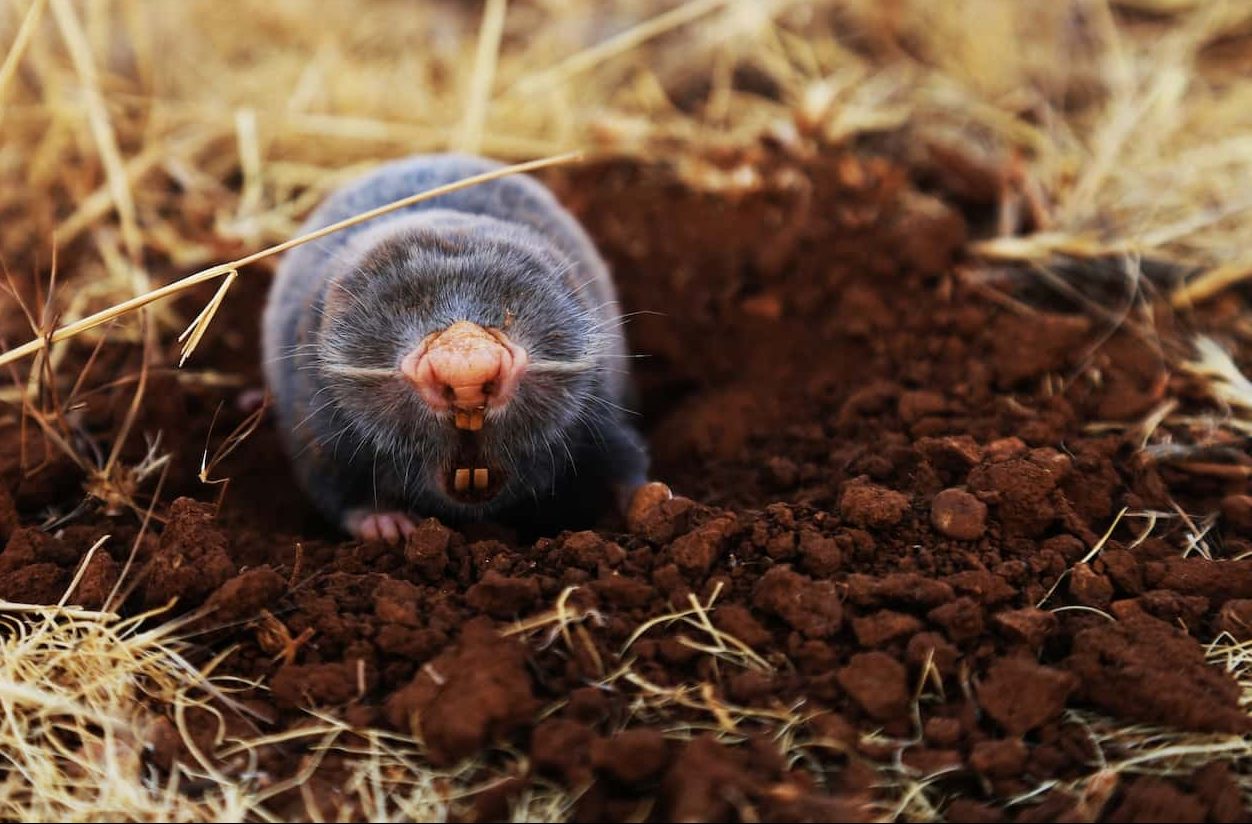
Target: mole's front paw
642	501
369	525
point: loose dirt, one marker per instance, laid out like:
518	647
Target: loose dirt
895	480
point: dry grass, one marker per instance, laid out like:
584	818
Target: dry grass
86	695
142	139
228	272
1124	751
79	691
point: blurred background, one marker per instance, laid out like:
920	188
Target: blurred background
155	135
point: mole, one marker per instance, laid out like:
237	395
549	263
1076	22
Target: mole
460	358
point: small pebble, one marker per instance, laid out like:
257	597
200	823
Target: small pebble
958	514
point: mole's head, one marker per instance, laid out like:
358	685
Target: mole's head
454	346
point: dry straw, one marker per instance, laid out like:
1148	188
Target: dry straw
230	271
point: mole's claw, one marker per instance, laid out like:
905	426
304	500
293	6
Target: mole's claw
643	500
367	525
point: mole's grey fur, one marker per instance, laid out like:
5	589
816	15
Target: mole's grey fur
345	309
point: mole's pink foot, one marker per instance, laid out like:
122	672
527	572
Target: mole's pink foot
368	525
465	369
642	501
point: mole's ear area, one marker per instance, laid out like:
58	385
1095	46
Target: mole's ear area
336	299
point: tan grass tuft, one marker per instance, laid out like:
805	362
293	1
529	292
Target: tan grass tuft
86	693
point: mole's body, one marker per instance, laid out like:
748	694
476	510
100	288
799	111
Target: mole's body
461	358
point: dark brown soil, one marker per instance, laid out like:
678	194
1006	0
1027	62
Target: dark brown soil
892	475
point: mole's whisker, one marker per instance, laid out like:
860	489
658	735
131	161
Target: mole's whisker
358	372
560	367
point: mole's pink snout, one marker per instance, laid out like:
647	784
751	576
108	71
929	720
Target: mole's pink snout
466	369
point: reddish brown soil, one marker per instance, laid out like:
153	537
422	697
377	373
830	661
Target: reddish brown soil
890	481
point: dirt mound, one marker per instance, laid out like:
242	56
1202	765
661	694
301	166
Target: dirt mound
888	560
